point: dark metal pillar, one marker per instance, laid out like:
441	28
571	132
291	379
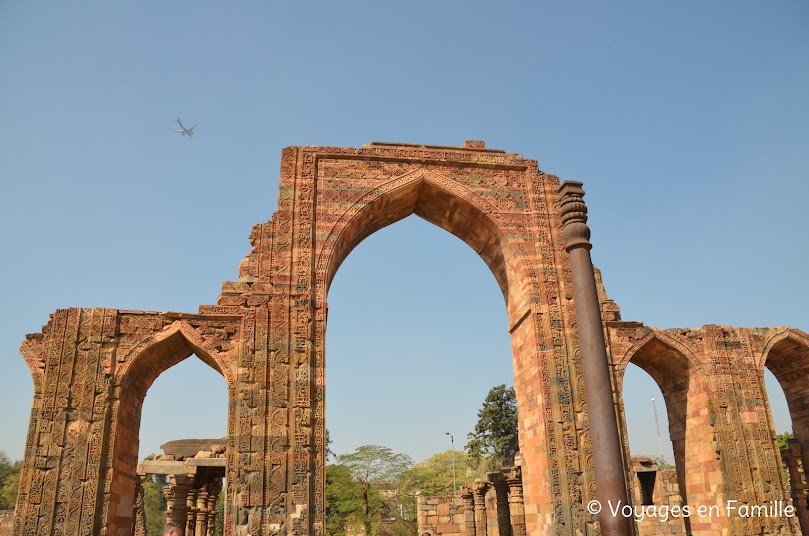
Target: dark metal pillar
607	458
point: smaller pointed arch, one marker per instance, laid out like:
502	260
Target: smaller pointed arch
149	358
786	355
676	371
788	343
158	352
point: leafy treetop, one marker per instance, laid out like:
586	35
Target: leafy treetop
496	429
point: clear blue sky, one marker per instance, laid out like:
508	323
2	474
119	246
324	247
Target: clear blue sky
687	121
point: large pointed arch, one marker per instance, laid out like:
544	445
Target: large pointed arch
487	208
446	204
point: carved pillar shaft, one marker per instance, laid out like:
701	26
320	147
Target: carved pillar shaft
181	486
191	517
168	491
139	514
516	506
202	513
607	458
469	511
501	500
480	508
211	528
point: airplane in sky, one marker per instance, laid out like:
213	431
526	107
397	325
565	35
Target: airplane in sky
185	131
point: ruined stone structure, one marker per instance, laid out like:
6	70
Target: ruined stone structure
6	522
195	484
266	336
495	507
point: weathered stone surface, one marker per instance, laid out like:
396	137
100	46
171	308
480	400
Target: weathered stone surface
266	335
189	448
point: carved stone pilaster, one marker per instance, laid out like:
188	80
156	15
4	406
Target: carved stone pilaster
501	500
202	513
469	511
211	527
180	486
191	518
479	489
516	505
168	493
138	514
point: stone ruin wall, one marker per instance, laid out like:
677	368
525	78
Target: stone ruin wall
720	423
6	522
266	335
461	515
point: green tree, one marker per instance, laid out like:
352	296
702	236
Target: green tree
9	481
343	500
375	469
329	452
154	501
434	476
154	504
662	463
8	492
496	429
782	439
219	526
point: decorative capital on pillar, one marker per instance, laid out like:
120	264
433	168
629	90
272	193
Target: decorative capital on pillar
574	215
480	487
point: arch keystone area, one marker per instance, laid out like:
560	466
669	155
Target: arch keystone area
266	335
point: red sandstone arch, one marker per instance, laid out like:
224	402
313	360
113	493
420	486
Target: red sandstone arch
786	354
149	359
444	203
470	217
678	373
186	340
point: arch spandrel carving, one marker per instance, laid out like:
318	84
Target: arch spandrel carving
190	340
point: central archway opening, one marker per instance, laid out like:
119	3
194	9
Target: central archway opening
417	336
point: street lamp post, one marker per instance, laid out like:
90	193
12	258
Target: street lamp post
454	484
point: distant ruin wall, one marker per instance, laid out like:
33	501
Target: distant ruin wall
477	510
6	522
440	515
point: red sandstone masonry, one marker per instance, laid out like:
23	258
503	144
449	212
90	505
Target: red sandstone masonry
266	336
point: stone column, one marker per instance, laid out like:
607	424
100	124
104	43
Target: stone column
468	511
608	463
191	518
177	510
479	489
516	506
138	514
201	528
211	528
501	500
168	492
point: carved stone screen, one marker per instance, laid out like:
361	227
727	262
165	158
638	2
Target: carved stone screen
266	336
